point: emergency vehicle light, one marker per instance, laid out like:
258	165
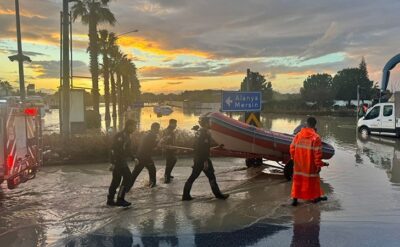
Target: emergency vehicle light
10	161
30	111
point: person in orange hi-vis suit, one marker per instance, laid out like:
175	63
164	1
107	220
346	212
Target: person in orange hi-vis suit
306	153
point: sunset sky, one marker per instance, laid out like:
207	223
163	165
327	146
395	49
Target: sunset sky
202	44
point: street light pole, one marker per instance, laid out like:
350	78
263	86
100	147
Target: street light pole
122	34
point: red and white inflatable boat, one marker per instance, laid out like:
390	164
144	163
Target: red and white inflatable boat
247	141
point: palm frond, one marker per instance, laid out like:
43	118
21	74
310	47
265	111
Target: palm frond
104	15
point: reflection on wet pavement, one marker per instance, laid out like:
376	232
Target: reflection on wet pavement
65	205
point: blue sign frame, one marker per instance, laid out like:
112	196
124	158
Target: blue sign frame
235	101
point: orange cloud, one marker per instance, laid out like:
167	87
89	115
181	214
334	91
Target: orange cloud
157	48
22	13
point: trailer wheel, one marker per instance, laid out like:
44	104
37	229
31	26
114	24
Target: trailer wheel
249	163
288	170
254	162
11	184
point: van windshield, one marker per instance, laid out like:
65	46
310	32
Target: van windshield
374	113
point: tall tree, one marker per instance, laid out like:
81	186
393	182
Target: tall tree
93	13
368	90
120	59
135	84
346	81
107	42
254	81
114	55
317	87
363	68
126	77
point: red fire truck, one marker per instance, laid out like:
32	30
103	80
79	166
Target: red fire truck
20	140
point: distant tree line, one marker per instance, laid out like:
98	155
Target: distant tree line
323	88
205	96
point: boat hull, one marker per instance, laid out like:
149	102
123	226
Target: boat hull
248	139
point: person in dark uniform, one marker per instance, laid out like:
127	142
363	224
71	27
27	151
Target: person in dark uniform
202	162
146	148
121	151
170	153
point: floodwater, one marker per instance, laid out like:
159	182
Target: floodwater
65	205
186	118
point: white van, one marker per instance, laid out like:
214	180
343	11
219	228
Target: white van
380	120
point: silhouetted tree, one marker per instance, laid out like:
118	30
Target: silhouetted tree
345	83
254	81
5	88
317	87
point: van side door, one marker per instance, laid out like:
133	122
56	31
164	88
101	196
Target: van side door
387	120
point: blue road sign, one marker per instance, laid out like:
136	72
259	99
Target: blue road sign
234	101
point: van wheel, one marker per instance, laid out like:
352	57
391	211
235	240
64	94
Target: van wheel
364	131
288	170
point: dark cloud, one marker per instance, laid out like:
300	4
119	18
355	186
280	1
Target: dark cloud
236	29
170	3
175	83
51	69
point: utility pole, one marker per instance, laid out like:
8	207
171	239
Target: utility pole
20	60
65	105
20	56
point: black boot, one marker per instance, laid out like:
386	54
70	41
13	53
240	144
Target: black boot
110	200
152	184
294	202
167	179
121	198
216	191
321	198
222	196
186	192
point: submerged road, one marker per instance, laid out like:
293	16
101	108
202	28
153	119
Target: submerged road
65	205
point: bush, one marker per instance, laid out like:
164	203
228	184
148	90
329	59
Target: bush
93	147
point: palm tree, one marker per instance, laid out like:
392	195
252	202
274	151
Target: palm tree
92	13
135	84
114	55
5	88
126	63
120	62
106	43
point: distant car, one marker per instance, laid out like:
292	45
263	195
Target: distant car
163	110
